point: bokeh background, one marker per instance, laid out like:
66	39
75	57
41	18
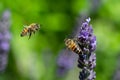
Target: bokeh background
37	58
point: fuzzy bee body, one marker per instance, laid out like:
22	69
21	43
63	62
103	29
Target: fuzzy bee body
32	28
73	45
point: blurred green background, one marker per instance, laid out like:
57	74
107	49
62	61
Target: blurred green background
35	59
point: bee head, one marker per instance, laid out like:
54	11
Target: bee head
37	25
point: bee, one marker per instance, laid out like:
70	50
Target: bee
28	30
72	44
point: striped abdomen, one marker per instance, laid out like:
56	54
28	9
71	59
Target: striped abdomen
72	45
24	32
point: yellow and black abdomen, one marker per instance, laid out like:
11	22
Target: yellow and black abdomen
75	48
72	45
24	32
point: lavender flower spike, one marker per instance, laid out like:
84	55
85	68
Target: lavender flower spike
4	39
87	43
65	62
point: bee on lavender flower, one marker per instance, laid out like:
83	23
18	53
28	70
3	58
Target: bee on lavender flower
28	30
72	44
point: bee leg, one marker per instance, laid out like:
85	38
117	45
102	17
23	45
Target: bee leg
34	32
30	35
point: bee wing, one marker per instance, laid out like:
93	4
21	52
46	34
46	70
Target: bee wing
24	26
77	40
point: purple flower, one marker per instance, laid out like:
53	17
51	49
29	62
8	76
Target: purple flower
84	74
65	62
4	45
92	61
4	39
87	60
92	75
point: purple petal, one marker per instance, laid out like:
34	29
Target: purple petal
84	25
92	75
93	39
4	46
1	36
90	29
92	47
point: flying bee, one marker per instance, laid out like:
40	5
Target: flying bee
28	30
72	44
